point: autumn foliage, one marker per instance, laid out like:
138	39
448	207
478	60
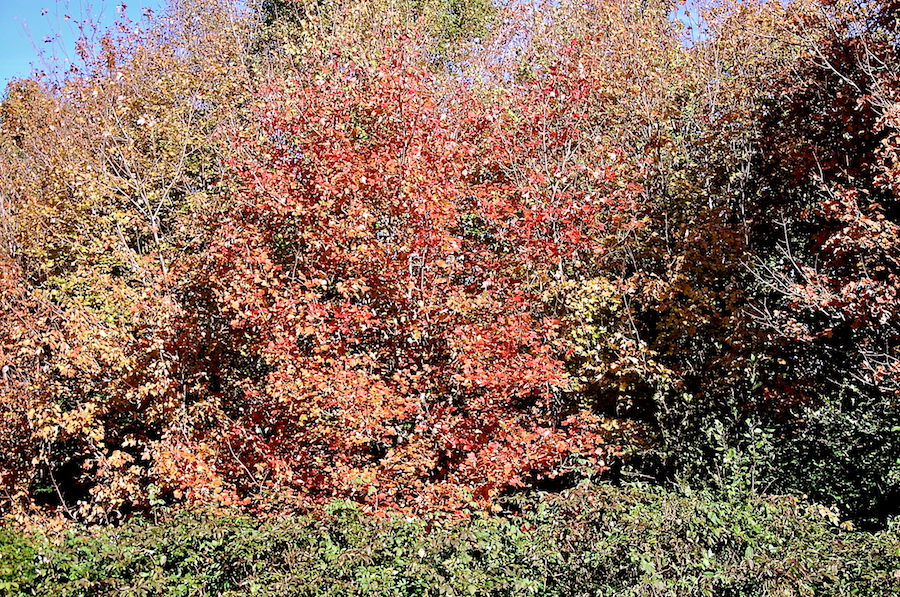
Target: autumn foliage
420	257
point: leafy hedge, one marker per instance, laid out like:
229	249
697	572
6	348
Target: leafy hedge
593	540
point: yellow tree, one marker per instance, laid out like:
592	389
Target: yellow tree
109	180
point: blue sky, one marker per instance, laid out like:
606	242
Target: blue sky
25	24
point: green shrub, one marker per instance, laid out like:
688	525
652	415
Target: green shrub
18	552
592	540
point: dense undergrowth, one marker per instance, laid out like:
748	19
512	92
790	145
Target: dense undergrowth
591	540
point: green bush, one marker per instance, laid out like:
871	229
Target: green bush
18	554
592	540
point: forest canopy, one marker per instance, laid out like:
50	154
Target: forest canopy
425	255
